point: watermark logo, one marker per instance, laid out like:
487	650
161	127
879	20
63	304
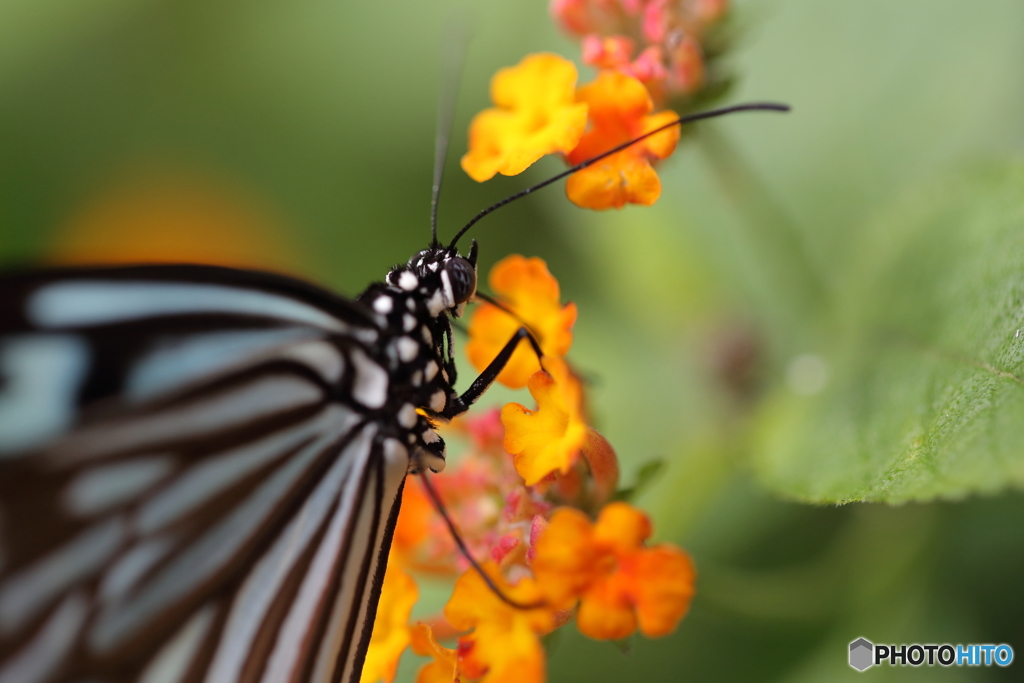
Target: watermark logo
864	654
861	654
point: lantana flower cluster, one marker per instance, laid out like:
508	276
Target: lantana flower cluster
535	500
648	54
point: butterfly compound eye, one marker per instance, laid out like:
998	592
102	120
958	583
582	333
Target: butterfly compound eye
462	275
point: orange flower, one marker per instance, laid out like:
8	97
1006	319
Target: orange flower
550	437
414	517
618	581
619	111
504	646
536	114
526	287
444	668
391	632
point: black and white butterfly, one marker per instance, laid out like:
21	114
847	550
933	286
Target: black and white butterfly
201	467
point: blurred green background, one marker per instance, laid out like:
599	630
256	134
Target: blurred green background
818	309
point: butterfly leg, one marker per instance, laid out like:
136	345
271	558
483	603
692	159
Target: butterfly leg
490	373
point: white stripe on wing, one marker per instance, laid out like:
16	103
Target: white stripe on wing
261	588
102	487
210	553
396	465
217	473
288	650
216	413
172	662
72	303
41	376
46	652
24	594
177	361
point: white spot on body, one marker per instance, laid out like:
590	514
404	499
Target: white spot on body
435	304
371	382
395	450
446	288
407	416
410	304
408	281
408	349
383	304
408	322
430	370
427	336
417	378
430	436
438	401
807	374
433	267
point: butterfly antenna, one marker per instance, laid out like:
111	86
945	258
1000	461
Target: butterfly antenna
453	56
457	537
713	113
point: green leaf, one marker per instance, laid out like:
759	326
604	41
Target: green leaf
645	476
922	361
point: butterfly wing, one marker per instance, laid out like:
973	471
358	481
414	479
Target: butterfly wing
193	485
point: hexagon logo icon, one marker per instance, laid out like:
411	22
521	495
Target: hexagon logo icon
861	654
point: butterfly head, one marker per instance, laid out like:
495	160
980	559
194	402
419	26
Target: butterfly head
445	279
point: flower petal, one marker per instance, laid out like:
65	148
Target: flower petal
536	114
445	665
619	582
622	527
621	179
527	288
619	112
391	633
565	558
663	585
504	646
549	438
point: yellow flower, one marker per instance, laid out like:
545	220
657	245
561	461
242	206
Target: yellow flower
527	288
549	438
619	111
620	583
504	646
391	632
536	113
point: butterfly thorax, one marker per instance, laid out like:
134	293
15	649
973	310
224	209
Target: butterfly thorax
412	307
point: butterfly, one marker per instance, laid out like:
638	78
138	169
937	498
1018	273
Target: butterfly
201	467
